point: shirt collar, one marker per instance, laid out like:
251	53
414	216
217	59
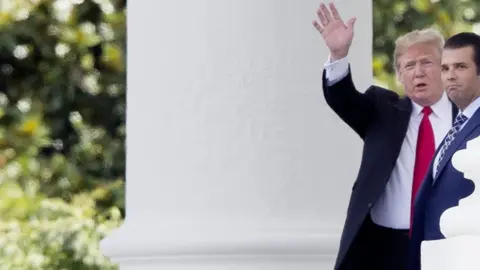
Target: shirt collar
471	108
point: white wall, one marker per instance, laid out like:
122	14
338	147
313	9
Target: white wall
231	148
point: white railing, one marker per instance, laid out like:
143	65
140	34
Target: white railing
460	250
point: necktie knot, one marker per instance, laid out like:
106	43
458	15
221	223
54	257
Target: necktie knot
427	110
460	119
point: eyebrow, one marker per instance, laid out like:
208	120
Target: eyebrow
412	61
455	63
418	59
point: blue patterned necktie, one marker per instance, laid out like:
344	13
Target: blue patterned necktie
459	121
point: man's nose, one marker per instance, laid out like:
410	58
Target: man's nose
419	71
451	74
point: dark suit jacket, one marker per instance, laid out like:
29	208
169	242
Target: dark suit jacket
441	192
380	117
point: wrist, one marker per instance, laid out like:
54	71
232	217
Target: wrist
335	56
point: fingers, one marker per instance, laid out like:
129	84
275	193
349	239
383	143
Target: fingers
351	22
326	13
325	16
318	26
335	13
321	16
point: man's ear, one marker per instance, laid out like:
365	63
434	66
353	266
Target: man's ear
399	76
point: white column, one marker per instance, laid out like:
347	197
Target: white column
233	157
461	224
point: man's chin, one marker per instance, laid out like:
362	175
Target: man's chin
423	94
425	98
452	94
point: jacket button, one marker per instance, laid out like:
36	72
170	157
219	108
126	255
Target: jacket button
370	205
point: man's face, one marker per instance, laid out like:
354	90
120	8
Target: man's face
459	75
420	73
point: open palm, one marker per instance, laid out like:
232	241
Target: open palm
338	36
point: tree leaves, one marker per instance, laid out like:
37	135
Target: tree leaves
62	117
447	16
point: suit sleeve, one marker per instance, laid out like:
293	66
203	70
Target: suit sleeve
356	109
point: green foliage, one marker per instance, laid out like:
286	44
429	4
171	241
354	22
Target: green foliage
62	131
48	233
394	18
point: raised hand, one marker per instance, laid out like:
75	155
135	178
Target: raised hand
338	36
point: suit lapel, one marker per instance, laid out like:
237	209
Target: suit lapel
461	136
404	104
404	107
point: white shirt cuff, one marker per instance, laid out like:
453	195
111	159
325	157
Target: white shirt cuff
336	71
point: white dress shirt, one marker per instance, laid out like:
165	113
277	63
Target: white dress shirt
468	112
393	207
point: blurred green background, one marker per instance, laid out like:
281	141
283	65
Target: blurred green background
392	18
62	131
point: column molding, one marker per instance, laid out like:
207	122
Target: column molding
317	250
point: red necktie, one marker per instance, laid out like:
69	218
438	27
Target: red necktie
424	154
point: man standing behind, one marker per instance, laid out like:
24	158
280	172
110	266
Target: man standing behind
444	186
400	136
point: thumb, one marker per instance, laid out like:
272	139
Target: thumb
351	23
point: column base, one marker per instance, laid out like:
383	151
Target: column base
222	262
233	251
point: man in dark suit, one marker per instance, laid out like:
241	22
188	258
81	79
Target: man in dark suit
400	136
444	186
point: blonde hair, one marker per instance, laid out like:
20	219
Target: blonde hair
423	36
